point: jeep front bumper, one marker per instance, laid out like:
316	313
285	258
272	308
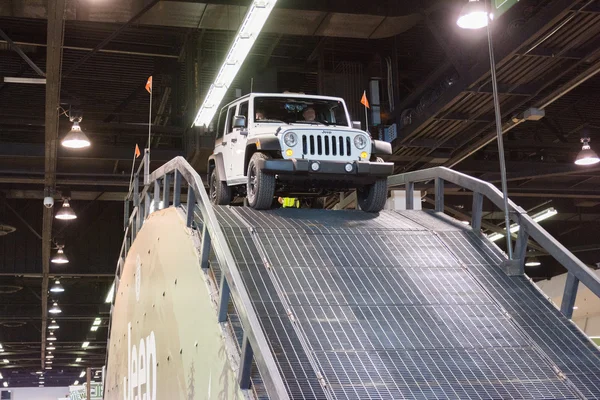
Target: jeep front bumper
316	168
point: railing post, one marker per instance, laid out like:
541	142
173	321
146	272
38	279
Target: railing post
205	247
177	189
569	296
521	250
439	195
245	364
146	205
156	195
477	212
191	205
410	195
166	190
146	167
136	201
224	298
125	214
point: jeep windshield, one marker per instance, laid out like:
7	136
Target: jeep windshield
292	110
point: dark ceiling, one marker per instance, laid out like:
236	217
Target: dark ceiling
434	83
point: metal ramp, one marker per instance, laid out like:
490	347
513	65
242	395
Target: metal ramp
402	305
349	305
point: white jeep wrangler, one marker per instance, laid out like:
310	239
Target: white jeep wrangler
294	145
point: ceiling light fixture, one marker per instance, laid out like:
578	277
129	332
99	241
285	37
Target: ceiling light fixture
51	338
1	377
53	325
97	321
48	362
473	15
75	383
55	310
539	217
49	356
51	348
57	287
66	212
587	156
84	345
82	374
5	361
532	262
60	257
255	19
76	139
48	367
111	294
5	384
78	359
94	328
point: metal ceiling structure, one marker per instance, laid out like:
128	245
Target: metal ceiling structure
97	56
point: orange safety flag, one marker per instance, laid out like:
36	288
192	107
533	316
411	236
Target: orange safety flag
364	100
137	151
149	85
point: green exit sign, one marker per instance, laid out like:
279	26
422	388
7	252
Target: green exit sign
502	6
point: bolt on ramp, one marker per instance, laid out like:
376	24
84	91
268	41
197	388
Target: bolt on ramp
400	305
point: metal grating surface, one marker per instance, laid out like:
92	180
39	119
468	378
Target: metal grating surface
384	310
293	364
435	221
560	339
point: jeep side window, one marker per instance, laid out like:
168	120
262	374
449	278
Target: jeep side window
221	124
230	116
243	111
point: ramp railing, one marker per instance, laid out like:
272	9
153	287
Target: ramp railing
175	175
577	270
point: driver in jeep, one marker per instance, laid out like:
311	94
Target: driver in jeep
309	114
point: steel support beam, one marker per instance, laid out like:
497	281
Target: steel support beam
581	78
382	8
20	52
109	51
113	35
95	153
55	31
570	295
547	17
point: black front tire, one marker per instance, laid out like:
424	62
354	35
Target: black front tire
261	185
220	193
372	198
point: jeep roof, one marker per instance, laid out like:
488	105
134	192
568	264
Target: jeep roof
287	94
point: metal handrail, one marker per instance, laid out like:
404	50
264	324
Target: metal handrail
577	270
255	344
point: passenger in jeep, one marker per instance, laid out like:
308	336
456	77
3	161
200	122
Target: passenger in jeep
260	115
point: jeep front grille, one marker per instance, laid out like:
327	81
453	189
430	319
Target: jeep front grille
326	145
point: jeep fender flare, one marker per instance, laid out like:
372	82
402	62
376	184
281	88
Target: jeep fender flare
216	161
262	144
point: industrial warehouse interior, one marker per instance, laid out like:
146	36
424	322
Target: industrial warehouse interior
299	199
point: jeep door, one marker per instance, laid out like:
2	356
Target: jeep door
239	137
226	143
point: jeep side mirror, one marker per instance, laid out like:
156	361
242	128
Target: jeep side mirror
239	121
356	124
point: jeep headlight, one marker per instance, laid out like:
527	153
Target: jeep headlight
290	139
360	141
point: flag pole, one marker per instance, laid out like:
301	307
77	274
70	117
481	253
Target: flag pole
367	119
150	119
132	168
